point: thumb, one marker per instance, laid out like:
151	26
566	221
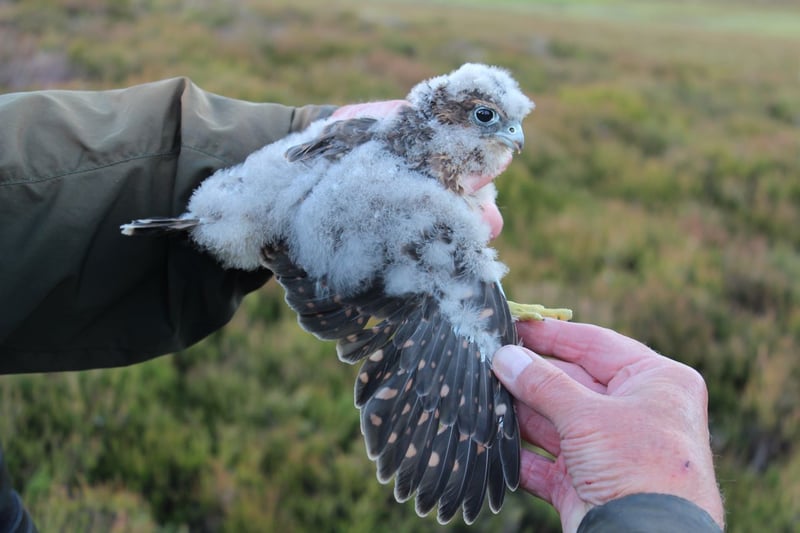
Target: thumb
540	385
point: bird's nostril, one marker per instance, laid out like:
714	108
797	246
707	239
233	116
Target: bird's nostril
512	130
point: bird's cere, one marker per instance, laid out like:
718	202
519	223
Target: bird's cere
378	229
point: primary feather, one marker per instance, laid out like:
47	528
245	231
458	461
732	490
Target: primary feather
372	226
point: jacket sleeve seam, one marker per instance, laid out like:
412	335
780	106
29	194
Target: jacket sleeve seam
18	181
226	162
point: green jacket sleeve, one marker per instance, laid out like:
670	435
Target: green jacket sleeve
648	513
75	165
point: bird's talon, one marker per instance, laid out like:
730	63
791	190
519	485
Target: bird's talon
537	312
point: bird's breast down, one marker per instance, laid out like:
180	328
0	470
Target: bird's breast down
347	221
369	215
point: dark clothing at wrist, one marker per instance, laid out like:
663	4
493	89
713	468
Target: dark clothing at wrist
13	516
648	513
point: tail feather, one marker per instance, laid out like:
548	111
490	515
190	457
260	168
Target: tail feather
149	227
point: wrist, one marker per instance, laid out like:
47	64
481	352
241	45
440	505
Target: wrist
685	470
652	512
692	475
659	459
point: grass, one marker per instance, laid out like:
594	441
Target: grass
658	194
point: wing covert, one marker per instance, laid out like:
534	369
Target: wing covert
336	139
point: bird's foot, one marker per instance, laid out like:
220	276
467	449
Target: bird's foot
537	312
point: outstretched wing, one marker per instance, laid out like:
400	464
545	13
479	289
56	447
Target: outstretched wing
336	139
432	413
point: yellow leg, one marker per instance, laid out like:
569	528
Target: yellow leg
537	312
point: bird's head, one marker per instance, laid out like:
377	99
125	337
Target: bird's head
475	114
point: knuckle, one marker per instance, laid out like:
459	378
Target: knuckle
689	379
695	382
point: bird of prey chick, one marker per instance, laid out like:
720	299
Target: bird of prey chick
373	227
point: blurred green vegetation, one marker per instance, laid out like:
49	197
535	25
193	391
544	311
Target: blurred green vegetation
658	194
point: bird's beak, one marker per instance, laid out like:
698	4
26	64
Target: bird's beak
512	137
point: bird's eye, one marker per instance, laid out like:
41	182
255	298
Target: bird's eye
484	115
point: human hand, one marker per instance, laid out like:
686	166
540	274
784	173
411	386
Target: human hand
380	109
619	419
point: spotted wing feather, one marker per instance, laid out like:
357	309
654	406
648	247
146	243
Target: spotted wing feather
432	413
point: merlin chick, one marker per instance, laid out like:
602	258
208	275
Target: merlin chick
373	227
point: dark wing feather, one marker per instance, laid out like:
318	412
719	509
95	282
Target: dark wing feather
336	139
403	421
453	493
476	489
418	455
495	480
437	472
432	413
453	384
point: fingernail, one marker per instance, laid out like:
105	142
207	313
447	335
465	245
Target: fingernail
509	361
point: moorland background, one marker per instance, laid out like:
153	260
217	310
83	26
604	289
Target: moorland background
658	194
